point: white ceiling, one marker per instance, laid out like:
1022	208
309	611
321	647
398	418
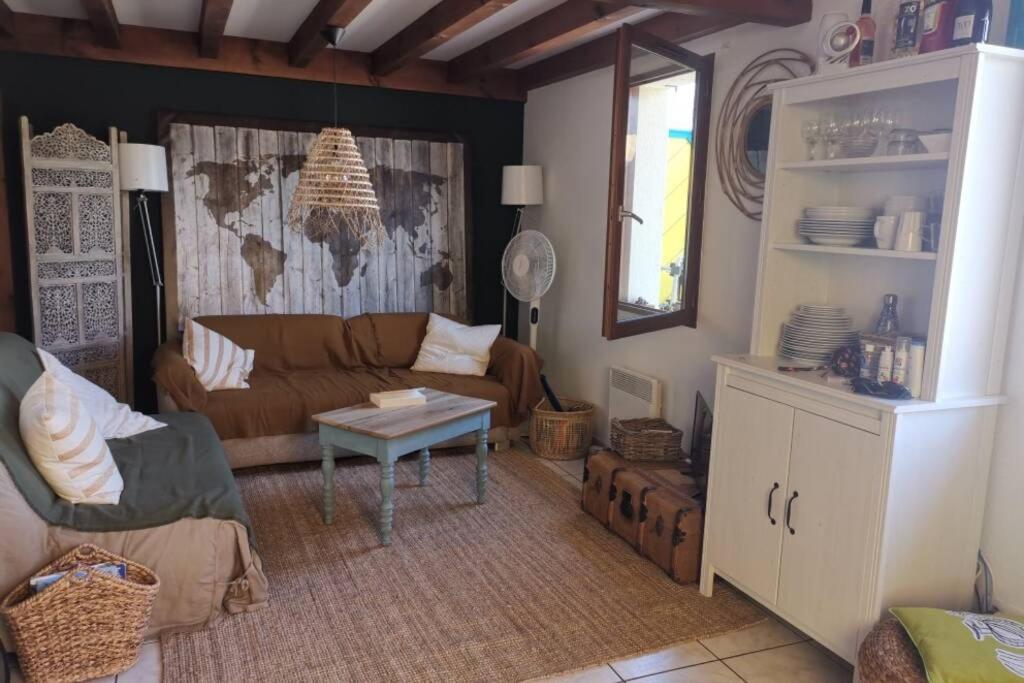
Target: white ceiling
278	19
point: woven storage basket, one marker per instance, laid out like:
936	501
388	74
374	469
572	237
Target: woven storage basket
562	436
86	625
646	438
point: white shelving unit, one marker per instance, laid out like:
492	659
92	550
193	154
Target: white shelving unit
829	507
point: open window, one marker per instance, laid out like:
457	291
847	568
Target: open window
660	130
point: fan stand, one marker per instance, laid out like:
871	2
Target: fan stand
534	322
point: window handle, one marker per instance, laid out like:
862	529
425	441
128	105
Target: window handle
626	213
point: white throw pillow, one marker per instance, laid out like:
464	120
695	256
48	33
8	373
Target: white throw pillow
66	446
219	362
115	420
455	348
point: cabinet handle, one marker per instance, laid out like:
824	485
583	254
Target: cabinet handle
789	511
771	494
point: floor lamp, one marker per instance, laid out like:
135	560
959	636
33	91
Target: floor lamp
521	186
143	168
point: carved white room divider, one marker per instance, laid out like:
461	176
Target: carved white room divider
77	254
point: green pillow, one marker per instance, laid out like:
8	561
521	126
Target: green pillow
962	647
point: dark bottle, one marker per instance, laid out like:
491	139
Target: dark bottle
972	22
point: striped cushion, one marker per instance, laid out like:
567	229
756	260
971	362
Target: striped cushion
219	363
66	446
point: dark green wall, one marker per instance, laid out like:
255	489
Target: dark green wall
96	95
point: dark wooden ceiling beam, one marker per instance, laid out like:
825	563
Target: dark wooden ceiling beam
308	41
6	20
177	49
567	22
212	20
103	19
600	53
348	12
775	12
435	27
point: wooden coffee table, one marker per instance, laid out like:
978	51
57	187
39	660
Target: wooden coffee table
389	433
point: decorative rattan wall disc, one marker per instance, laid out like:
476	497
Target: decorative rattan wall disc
742	182
334	189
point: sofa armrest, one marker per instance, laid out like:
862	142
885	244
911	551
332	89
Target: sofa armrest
517	366
173	374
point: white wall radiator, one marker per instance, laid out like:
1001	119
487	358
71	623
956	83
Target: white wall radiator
631	394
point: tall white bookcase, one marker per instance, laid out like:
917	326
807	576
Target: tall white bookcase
826	506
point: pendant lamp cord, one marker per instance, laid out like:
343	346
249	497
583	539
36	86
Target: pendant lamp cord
334	82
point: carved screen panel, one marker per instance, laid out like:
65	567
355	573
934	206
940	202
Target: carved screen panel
235	253
73	208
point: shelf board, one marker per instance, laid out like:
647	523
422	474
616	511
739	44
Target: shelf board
858	251
887	163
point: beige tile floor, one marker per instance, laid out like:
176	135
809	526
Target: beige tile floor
769	652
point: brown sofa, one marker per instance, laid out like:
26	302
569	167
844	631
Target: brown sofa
306	364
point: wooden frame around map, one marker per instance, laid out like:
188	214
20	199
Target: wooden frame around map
458	261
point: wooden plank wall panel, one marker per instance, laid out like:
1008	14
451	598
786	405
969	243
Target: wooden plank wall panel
273	254
387	269
419	206
227	219
439	249
405	272
187	238
312	256
457	230
293	280
205	153
250	219
232	188
370	291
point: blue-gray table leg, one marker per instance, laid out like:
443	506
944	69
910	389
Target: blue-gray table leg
481	464
387	506
424	465
327	466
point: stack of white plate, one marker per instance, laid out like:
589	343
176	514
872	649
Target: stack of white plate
815	331
837	226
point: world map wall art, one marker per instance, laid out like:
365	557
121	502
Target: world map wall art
230	250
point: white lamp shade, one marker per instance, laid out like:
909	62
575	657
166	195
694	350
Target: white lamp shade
522	185
142	167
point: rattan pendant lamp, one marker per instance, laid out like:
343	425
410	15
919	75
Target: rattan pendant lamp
334	189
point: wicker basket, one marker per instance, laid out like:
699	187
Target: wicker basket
646	438
86	625
562	435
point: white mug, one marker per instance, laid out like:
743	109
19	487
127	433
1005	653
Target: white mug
908	238
885	231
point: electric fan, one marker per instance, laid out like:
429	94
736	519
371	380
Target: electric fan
527	270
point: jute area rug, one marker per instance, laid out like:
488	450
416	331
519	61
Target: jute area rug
525	585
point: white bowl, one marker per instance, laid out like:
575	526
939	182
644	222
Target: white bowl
936	143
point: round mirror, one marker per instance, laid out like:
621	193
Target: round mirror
758	127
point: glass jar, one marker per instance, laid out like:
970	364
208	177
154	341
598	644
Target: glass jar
888	320
904	141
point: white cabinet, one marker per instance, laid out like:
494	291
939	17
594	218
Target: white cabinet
885	499
829	508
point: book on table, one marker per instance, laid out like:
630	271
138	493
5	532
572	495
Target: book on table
398	399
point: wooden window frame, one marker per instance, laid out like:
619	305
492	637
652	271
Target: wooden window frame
703	67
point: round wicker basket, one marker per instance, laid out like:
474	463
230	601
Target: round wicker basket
887	655
562	435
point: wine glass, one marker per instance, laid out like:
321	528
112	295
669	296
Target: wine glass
812	134
832	131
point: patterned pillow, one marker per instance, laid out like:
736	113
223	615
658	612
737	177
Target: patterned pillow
219	362
115	420
66	446
963	647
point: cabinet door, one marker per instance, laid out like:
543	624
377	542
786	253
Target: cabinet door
750	460
835	483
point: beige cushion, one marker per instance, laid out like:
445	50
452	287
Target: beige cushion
115	420
65	444
219	362
456	349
